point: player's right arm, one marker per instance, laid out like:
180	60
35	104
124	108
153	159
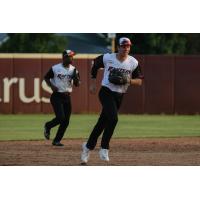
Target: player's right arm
97	64
47	78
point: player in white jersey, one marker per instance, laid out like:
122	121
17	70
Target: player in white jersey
111	94
61	78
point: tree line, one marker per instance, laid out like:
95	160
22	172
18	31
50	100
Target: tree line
164	43
143	43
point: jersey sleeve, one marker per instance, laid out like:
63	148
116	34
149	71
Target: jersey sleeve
97	64
78	74
49	74
76	77
137	73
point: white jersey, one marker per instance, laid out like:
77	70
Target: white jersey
128	66
62	77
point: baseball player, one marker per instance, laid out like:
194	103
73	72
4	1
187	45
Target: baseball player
61	78
120	71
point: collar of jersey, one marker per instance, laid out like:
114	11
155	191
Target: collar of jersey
121	62
65	67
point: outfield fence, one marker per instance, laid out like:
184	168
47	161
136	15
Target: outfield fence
171	85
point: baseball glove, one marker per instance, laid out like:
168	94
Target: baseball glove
118	78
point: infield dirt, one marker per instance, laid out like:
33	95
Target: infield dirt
123	152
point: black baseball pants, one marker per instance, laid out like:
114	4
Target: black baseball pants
108	119
62	108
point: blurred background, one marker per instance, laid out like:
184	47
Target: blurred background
144	43
170	63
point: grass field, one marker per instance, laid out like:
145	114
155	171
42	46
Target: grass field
30	127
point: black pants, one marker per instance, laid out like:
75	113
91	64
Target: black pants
62	107
108	119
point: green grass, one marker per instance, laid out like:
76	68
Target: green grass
30	127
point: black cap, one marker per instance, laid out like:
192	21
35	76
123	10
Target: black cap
68	53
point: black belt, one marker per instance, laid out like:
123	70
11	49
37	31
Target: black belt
113	92
64	93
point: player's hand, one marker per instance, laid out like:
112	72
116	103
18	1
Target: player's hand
93	87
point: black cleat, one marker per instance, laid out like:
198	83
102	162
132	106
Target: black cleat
46	133
83	164
57	144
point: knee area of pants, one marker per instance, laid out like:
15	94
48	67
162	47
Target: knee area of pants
114	120
63	120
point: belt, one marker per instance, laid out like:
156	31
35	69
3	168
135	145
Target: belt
64	93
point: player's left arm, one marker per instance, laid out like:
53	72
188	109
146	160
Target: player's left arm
137	76
76	77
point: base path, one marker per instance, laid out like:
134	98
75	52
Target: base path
123	152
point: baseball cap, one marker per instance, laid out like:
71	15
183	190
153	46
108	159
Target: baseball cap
124	41
68	53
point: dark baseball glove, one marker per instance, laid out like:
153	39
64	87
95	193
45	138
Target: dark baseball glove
76	78
117	77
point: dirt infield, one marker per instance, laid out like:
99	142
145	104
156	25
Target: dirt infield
123	152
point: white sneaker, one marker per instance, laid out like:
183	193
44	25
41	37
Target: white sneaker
103	154
85	153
